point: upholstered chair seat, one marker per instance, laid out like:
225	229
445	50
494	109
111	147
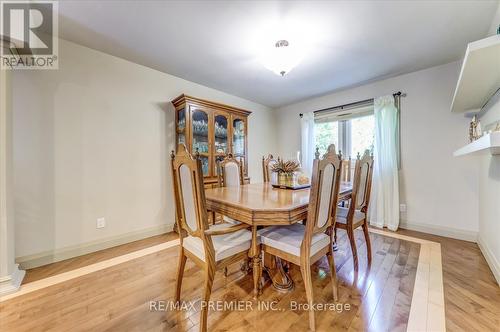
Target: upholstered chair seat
342	215
225	245
289	239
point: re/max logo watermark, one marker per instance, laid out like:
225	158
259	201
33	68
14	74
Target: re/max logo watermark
29	34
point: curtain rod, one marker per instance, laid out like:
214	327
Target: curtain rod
397	94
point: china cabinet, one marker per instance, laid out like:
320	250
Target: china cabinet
214	130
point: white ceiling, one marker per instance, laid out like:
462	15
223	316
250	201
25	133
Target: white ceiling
217	43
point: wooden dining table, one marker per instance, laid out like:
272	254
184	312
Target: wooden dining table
259	204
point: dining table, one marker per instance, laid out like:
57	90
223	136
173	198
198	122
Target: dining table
262	205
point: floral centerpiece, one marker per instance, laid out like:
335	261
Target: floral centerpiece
286	171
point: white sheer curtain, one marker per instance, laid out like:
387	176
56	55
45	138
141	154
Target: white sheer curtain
384	205
307	138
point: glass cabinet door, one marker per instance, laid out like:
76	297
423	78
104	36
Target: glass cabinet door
181	126
221	134
181	119
221	138
239	130
200	142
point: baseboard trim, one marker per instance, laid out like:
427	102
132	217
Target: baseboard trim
12	282
52	256
490	258
453	233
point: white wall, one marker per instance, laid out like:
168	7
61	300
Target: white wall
93	139
489	198
10	275
440	191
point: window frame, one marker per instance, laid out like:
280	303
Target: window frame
344	138
358	108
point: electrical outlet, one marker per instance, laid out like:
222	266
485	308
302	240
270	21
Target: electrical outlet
101	222
402	207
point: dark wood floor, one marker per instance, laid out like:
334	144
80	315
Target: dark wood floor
117	298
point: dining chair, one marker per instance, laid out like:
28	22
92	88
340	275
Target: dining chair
303	245
346	170
210	247
354	216
230	174
267	164
346	176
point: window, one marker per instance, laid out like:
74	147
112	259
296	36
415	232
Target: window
350	135
326	133
362	134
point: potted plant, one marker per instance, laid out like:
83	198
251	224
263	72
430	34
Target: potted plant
285	170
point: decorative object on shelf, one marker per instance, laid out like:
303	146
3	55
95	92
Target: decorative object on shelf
472	126
200	127
220	131
182	124
201	147
475	129
220	147
181	120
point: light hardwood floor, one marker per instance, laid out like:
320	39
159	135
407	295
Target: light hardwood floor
117	298
471	293
99	256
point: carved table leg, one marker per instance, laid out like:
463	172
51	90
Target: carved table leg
256	265
246	266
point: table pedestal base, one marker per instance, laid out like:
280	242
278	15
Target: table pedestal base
276	270
279	275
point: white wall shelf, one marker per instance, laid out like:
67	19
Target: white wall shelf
479	77
489	143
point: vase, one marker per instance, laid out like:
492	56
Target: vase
285	179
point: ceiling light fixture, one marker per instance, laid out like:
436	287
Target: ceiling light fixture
282	58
